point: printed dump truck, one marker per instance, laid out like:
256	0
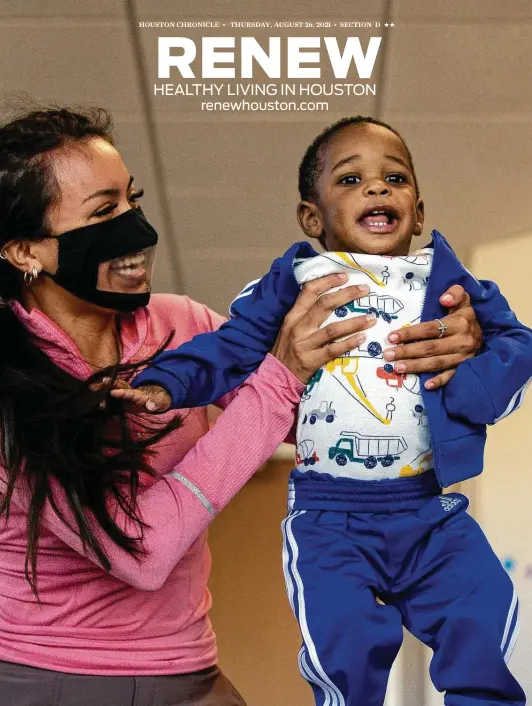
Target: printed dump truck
369	450
382	305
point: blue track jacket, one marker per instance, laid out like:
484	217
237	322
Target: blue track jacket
484	390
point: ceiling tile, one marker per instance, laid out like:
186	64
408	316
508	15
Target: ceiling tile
456	10
359	10
56	61
236	158
466	69
60	8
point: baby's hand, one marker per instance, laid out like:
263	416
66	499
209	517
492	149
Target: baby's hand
152	398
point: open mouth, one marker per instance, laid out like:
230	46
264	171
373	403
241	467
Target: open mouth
379	219
131	266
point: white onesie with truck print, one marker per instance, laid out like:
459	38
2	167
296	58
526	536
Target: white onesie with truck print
358	418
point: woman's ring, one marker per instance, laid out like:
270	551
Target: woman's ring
441	327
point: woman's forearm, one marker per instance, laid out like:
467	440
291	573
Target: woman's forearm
179	507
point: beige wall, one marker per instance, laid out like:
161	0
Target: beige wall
504	492
258	635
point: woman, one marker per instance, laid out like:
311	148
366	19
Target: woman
103	554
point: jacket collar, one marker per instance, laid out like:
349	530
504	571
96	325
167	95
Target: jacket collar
58	346
438	241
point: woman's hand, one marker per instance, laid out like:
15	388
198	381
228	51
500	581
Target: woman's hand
301	345
420	348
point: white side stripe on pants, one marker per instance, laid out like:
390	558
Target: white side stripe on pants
512	611
286	559
512	642
509	618
305	669
307	673
333	695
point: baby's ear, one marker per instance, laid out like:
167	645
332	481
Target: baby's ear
420	217
310	220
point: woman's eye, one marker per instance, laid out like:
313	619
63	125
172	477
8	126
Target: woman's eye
105	211
350	179
396	178
135	196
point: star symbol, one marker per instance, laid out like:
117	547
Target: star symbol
386	24
392	25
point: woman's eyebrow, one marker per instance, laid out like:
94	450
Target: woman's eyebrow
107	192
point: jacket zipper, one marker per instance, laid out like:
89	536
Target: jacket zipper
422	386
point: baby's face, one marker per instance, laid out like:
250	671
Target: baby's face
367	194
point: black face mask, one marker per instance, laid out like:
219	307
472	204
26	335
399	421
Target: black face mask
83	250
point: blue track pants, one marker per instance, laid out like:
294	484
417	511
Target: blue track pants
436	574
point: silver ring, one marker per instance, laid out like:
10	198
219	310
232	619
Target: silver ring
442	328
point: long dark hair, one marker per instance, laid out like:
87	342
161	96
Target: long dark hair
54	427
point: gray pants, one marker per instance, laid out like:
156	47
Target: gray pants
28	686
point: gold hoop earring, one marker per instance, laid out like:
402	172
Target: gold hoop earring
30	276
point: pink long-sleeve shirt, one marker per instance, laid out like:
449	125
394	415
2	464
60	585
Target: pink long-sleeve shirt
150	615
